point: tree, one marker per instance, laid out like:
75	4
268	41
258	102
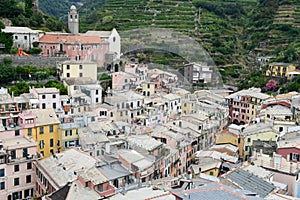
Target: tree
271	86
7	74
2	26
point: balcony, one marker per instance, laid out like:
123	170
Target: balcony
110	191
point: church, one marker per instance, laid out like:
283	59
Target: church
101	47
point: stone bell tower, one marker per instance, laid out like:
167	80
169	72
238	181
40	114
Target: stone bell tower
73	20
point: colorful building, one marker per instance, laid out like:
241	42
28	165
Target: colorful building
44	130
281	70
76	47
75	69
245	105
17	176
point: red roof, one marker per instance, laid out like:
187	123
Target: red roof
70	39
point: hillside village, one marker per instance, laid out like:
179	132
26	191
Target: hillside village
142	137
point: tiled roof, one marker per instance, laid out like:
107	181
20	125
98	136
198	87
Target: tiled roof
45	90
144	142
215	191
250	182
114	171
44	116
251	92
70	39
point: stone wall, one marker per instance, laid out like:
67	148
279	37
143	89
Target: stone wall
37	61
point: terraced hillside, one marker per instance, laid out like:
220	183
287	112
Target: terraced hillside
133	14
234	32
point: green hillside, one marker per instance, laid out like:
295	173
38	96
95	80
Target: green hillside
234	32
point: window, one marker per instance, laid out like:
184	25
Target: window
28	179
100	188
2	186
17	195
17	132
25	152
13	154
16	168
97	100
43	106
51	142
80	74
68	133
54	96
43	96
80	66
111	114
29	131
249	140
68	66
2	172
86	184
42	144
143	180
25	37
16	37
29	165
280	129
97	92
211	173
51	128
114	39
294	156
54	105
68	74
16	181
148	85
41	130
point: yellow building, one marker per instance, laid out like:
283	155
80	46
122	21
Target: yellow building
68	135
280	69
257	132
75	69
188	106
148	89
208	166
44	131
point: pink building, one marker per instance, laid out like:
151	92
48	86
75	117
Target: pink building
123	80
76	47
47	97
162	79
17	177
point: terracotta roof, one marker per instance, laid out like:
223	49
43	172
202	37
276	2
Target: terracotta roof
70	39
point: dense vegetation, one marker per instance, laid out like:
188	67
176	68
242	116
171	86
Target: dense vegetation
22	13
18	79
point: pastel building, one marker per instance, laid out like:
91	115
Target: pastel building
23	37
196	73
17	177
47	98
112	37
68	135
123	80
75	47
281	70
245	105
44	131
75	69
